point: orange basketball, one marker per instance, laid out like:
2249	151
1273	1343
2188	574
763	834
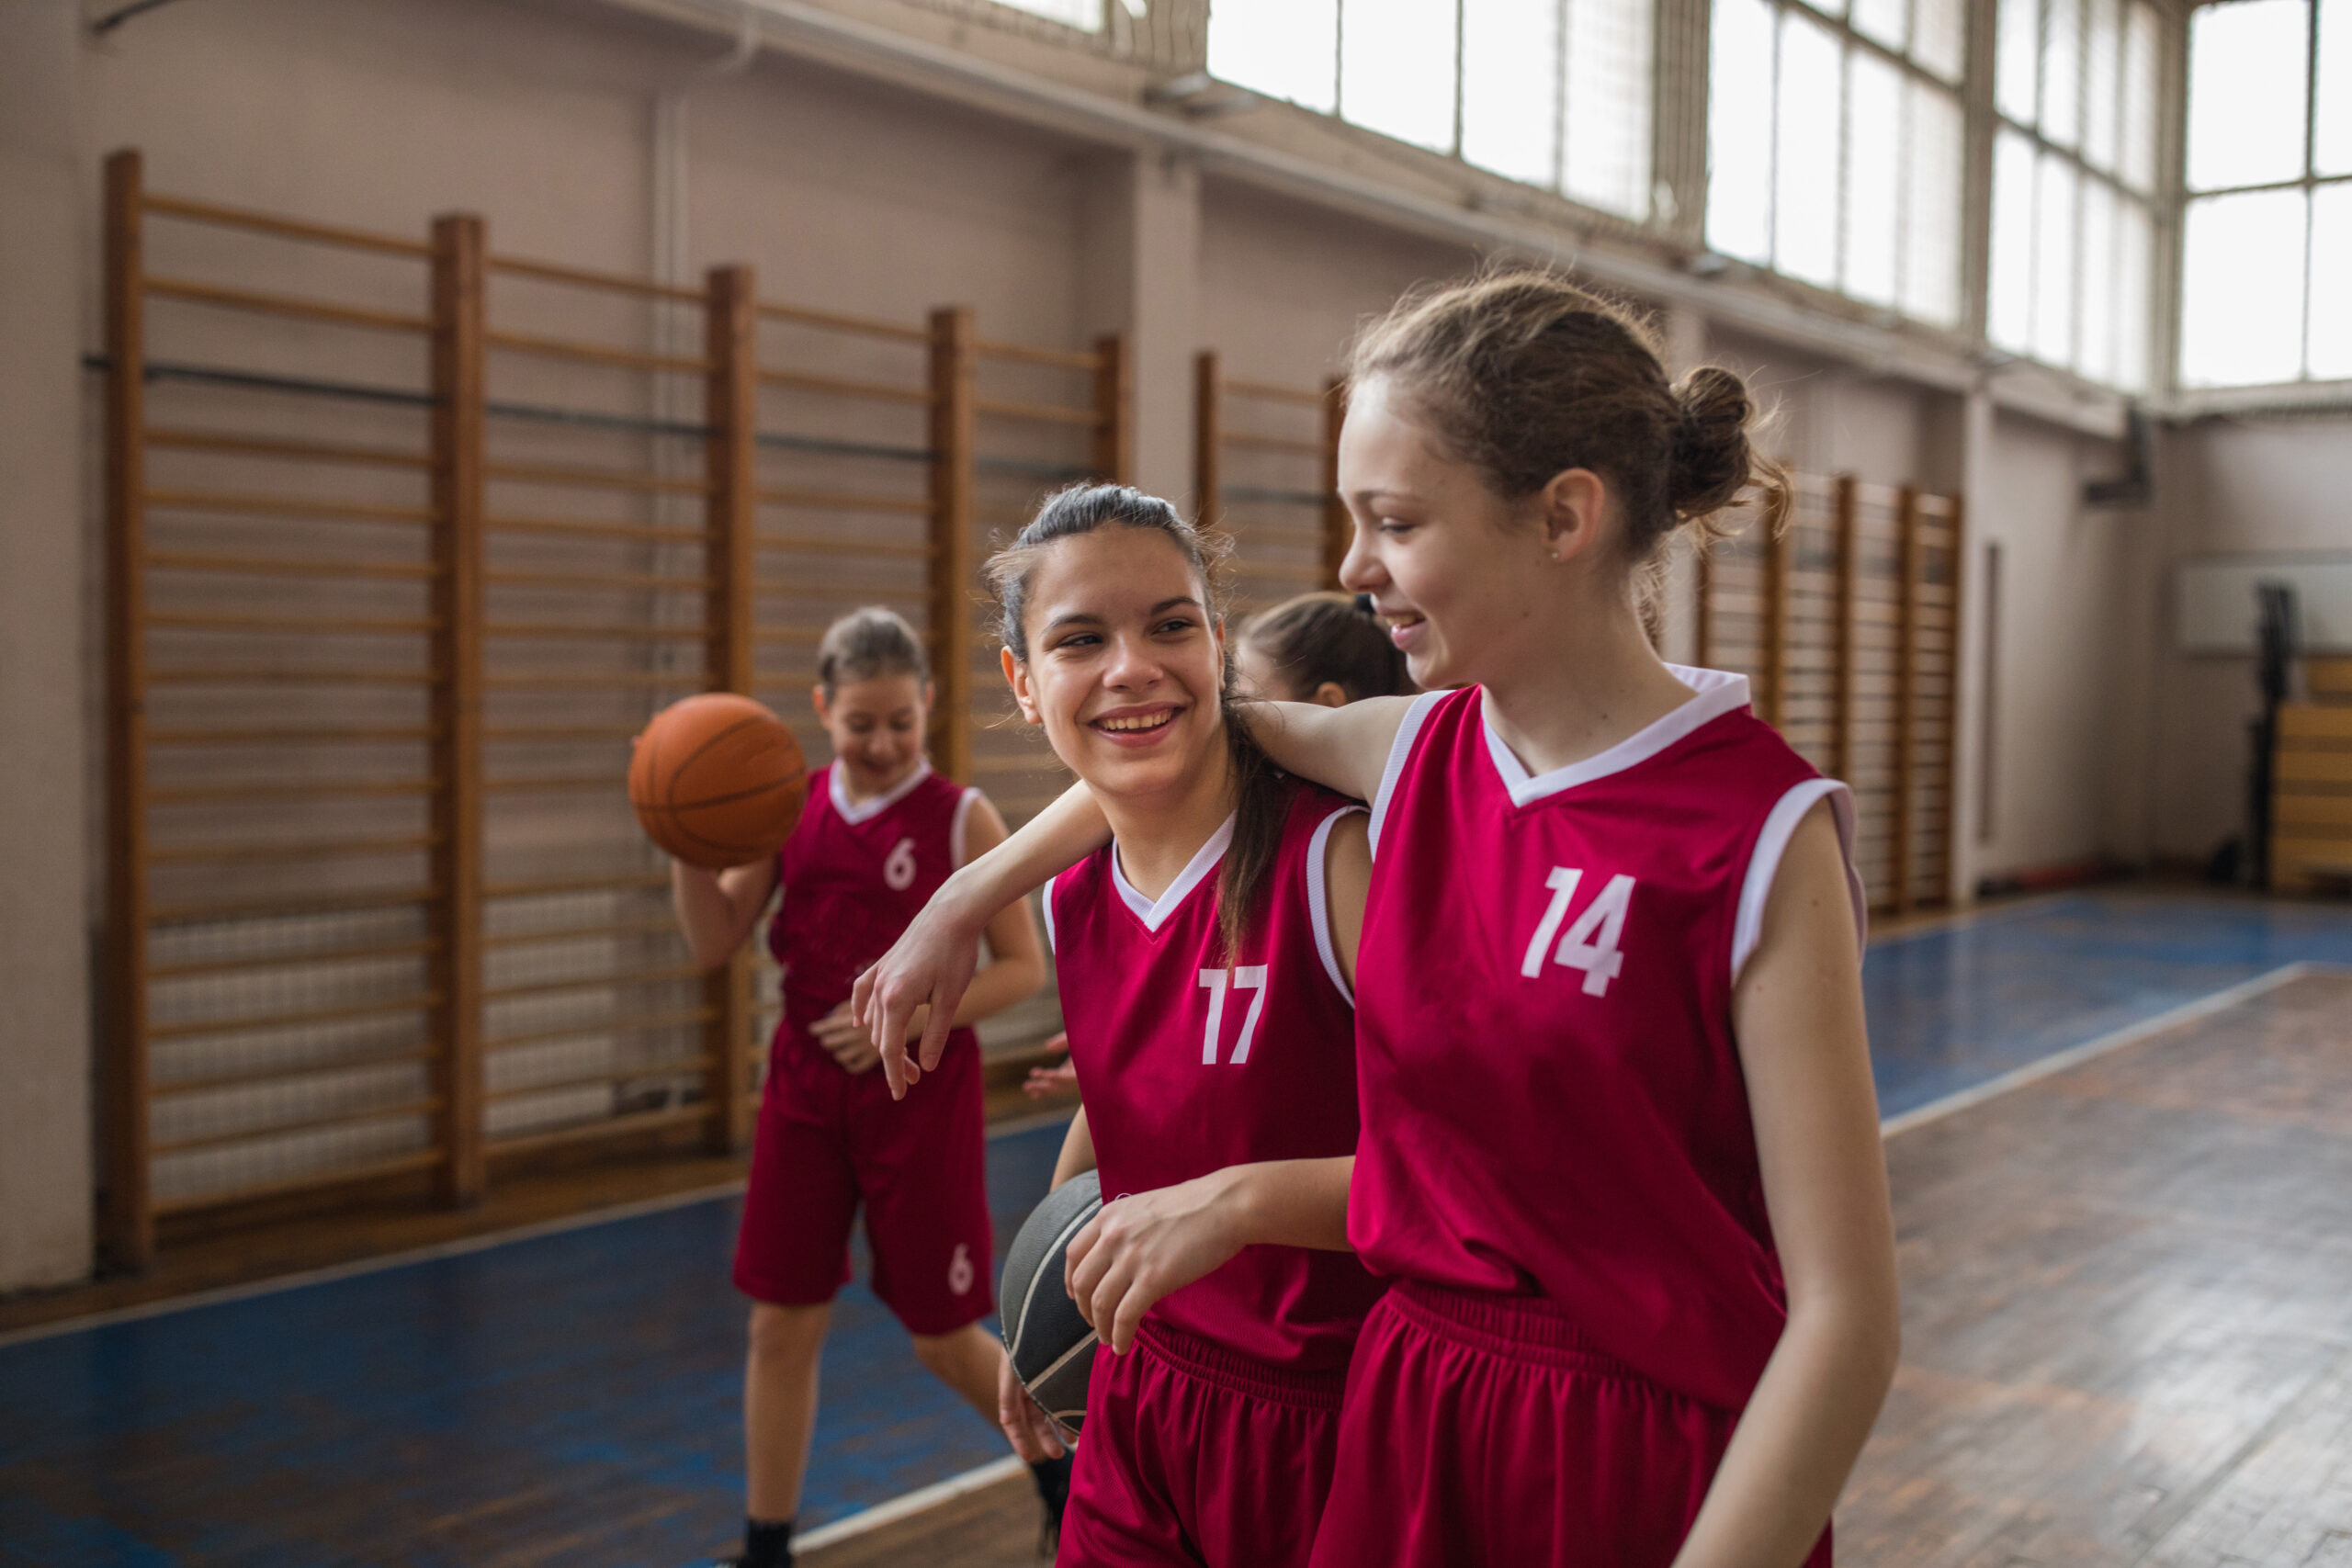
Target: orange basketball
717	780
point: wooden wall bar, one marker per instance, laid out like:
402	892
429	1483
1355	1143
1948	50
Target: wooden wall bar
1264	472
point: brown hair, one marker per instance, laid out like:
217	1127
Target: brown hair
1260	802
869	642
1330	636
1524	374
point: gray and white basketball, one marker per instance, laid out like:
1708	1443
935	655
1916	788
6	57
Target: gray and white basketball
1051	1346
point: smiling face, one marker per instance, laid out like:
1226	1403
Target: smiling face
1125	664
876	727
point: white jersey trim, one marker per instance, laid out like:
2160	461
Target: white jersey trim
854	812
1764	865
1318	902
1407	731
1047	901
1714	694
1155	915
956	830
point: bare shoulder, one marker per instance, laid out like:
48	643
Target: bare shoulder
984	826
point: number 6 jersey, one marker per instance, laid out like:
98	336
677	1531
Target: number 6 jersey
1552	1096
1191	1060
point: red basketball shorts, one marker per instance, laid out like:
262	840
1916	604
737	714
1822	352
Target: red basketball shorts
1194	1455
1487	1430
828	1141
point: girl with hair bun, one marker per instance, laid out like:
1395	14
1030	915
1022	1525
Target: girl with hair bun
1327	648
1621	1160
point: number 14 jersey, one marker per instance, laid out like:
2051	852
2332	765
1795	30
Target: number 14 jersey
1191	1060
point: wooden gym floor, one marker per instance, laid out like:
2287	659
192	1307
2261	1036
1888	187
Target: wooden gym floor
2126	1338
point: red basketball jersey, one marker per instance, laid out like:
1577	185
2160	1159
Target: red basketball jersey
1552	1093
854	875
1191	1062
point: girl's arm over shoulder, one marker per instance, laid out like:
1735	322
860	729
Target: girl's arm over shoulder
1345	749
1797	1009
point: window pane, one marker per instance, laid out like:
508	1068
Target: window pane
2242	290
2102	67
1884	20
2134	254
1397	69
2140	97
2332	153
2009	309
1511	88
1739	132
2246	93
2062	72
1804	215
2053	261
1873	177
2331	344
2095	350
1932	208
1084	14
2019	51
1608	89
1284	49
1938	36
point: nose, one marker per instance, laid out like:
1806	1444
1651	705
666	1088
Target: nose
1133	665
1359	568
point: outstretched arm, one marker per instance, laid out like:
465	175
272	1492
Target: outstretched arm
932	963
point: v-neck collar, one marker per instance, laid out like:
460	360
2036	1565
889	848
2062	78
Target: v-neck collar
1204	860
1715	692
857	811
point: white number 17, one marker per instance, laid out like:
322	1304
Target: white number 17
1597	955
1250	977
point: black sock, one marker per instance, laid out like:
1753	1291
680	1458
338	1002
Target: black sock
767	1543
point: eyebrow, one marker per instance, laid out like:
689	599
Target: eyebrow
1086	617
1366	497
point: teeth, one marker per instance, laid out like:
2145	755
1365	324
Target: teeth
1147	721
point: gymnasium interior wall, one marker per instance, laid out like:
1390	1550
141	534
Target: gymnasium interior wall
562	124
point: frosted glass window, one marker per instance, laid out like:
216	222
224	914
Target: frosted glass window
2062	72
1284	49
2134	246
1873	177
1805	216
2246	63
2332	140
2010	305
1510	88
1939	36
2331	304
2017	58
1740	131
2095	348
2054	262
2242	289
1932	208
1397	69
2139	134
1884	20
1606	146
1086	15
2103	81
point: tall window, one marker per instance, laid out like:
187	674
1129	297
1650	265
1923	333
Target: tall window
1834	147
2073	173
1553	93
2266	242
1086	15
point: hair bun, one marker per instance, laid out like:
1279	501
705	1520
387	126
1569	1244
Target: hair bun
1710	461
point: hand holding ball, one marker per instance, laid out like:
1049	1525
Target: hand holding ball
717	781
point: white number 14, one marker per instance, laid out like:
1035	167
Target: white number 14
1252	977
1597	955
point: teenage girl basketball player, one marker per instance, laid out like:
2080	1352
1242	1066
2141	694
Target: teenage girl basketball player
1205	957
1317	648
1621	1154
881	830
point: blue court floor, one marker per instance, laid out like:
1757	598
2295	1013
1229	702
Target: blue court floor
573	1398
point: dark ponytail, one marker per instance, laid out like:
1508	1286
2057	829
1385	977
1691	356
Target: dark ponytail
1330	637
1260	804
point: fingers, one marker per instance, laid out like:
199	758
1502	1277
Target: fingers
1118	1283
1027	1427
935	1031
1076	1282
862	993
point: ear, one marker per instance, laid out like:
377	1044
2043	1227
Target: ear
1329	694
1016	675
817	697
1572	504
930	696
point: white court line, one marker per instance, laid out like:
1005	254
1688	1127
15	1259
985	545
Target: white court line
433	1251
2115	1040
913	1502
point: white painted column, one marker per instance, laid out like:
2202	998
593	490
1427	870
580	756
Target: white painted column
45	1123
1141	275
1976	461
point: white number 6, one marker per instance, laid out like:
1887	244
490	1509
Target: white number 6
898	870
